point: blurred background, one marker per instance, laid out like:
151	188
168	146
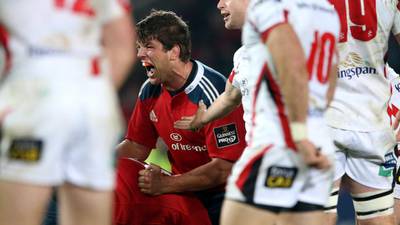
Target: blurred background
214	46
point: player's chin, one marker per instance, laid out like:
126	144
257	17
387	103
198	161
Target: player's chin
230	26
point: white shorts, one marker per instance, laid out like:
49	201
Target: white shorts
366	157
277	177
63	126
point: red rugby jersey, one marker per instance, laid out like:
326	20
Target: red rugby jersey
157	109
132	207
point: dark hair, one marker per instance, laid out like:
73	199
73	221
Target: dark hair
167	28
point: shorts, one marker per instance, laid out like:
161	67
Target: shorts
63	126
275	177
366	157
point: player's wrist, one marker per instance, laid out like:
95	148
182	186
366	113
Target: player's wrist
299	131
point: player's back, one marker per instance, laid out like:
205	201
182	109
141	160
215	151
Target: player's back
318	38
132	207
362	89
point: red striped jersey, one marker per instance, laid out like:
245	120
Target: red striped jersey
157	109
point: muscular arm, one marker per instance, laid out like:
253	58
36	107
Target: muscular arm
290	62
132	149
224	104
118	39
207	176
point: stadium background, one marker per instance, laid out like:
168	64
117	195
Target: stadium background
213	45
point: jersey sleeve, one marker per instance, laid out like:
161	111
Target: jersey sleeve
236	61
232	80
396	22
225	138
140	127
266	15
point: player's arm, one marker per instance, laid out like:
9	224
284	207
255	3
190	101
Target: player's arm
290	61
222	106
206	176
332	83
211	174
131	149
119	38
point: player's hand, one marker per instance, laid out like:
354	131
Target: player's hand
395	126
312	156
150	180
192	122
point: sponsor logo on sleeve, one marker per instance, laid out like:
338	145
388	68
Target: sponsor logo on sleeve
280	177
226	135
27	150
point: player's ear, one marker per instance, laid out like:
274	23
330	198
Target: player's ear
174	53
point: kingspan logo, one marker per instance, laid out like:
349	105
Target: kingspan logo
354	66
356	72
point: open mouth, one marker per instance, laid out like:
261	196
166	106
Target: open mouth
225	16
150	69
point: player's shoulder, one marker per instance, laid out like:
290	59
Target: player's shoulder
256	3
257	6
207	85
315	5
265	9
239	54
213	76
149	90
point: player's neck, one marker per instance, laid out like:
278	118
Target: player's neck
179	75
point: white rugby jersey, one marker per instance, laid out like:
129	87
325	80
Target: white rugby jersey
318	37
362	91
239	79
35	29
